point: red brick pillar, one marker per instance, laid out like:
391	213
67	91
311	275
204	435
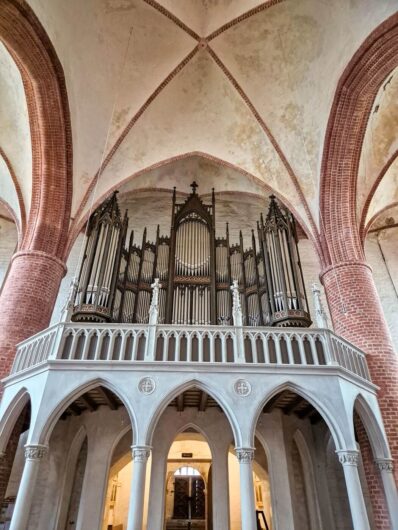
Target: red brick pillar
27	300
358	317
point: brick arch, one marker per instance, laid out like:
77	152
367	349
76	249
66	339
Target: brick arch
45	90
353	101
81	216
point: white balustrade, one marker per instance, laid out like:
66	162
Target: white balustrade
190	344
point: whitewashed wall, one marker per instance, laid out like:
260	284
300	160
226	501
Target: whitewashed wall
381	249
8	244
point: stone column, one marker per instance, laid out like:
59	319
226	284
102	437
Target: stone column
385	466
220	488
26	491
245	456
27	300
158	489
349	461
358	317
136	508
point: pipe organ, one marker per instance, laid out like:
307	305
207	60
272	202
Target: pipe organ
195	269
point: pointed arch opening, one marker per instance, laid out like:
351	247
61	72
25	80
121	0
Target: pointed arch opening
372	445
15	432
197	395
85	425
188	498
294	431
191	431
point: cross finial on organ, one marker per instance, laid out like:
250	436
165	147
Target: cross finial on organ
194	186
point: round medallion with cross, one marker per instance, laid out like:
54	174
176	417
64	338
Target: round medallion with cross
146	385
242	387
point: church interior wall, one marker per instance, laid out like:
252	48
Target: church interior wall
8	244
381	252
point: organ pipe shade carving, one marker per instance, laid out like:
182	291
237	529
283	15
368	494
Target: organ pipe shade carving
195	269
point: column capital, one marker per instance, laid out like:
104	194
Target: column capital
385	464
35	452
140	453
41	255
245	455
349	457
343	264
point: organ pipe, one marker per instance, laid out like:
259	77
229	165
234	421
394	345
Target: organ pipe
195	269
99	270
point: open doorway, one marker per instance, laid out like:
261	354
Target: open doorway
188	502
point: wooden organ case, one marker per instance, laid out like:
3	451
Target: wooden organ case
195	269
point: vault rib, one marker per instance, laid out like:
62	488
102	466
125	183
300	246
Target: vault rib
131	124
242	17
272	140
178	22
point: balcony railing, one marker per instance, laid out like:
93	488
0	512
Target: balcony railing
274	347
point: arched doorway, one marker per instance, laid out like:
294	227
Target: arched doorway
187	485
193	432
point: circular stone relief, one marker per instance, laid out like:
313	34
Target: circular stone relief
146	385
242	387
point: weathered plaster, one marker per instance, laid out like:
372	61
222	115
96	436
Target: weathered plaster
14	133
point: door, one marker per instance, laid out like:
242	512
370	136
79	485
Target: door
189	498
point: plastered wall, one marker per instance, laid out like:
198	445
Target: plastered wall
8	243
381	249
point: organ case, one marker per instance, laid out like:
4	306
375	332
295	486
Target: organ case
195	269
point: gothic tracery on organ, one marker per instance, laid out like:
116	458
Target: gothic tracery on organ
195	268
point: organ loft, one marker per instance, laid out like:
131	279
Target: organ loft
195	266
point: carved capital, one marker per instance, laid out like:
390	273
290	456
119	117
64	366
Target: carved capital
35	452
385	464
245	455
141	453
349	458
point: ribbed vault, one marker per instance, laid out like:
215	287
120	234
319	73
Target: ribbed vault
248	83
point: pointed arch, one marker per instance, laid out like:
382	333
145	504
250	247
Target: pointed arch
326	414
11	415
48	108
372	427
82	215
198	429
358	86
50	422
194	383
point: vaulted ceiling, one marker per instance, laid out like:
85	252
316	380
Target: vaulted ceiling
238	89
